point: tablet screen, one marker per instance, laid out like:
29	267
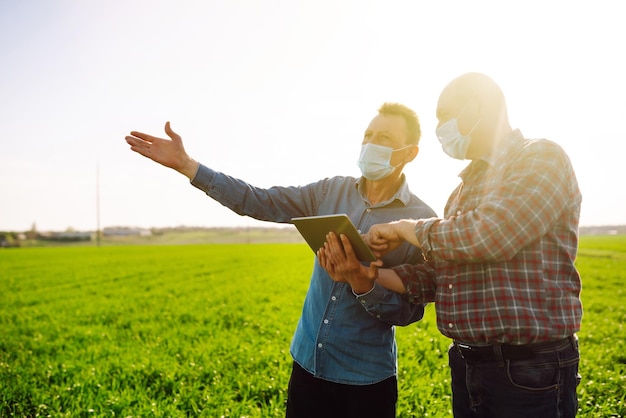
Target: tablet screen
314	229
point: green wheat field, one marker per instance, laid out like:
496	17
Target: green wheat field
204	331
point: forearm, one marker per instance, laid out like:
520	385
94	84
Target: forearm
276	204
406	230
390	280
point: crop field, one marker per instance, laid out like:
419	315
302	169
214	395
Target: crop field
204	330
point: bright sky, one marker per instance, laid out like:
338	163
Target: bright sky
280	92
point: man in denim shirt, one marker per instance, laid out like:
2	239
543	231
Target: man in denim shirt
344	350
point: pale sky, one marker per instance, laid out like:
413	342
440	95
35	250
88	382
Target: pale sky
280	92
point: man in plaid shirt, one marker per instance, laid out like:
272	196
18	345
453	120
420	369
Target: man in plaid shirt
500	263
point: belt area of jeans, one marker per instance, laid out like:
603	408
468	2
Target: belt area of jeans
510	352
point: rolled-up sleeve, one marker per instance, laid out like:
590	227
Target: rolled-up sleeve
419	281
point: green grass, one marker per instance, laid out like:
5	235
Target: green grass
204	330
602	263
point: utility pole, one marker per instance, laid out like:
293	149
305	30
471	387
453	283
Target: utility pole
98	232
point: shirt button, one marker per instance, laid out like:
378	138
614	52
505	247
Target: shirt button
320	345
450	286
334	298
450	325
458	213
326	321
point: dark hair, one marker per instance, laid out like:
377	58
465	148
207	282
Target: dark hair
412	122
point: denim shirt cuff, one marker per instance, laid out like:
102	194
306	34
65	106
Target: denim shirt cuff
373	297
204	178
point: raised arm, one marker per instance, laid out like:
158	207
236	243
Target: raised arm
168	152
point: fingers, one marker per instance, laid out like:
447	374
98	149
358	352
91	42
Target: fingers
372	271
334	249
376	243
133	141
377	235
376	239
149	138
173	135
143	136
347	247
322	256
138	145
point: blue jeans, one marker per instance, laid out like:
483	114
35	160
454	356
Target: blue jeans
543	386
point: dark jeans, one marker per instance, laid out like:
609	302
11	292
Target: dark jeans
542	386
310	397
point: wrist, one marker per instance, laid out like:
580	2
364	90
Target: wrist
363	290
407	231
189	168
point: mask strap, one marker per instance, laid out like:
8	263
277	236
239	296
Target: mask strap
463	110
400	149
403	148
473	127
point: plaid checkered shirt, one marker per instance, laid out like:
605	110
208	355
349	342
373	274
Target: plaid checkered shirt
501	261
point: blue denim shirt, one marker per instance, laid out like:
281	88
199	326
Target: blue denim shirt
340	337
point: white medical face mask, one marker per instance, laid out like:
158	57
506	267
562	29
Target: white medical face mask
453	143
375	161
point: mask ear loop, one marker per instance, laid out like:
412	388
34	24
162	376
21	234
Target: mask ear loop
400	149
461	112
474	127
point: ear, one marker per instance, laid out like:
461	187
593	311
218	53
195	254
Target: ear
413	151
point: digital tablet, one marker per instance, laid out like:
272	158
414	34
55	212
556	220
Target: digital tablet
314	229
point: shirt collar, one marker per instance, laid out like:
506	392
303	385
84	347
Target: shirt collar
403	194
504	147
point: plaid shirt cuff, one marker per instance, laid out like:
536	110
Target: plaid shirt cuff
419	282
422	230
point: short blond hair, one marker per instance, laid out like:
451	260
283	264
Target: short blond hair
410	117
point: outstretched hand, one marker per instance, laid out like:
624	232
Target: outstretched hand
168	152
337	257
